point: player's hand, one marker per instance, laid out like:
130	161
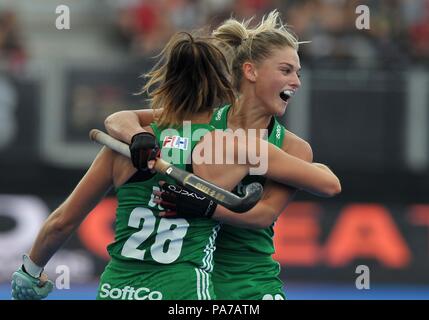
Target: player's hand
144	150
26	287
182	202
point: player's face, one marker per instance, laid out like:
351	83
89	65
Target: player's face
275	74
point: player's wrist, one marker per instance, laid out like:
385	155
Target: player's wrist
186	202
30	267
144	147
141	134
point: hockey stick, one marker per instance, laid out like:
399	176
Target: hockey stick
252	194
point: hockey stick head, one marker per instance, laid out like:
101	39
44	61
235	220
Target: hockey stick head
252	194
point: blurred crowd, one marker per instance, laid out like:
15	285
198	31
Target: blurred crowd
398	33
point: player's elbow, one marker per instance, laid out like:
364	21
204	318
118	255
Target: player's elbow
259	224
113	122
111	119
332	188
266	223
266	220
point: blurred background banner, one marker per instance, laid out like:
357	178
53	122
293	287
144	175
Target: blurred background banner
363	106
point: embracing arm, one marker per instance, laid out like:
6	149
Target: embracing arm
129	126
276	196
68	216
123	125
315	178
184	203
273	163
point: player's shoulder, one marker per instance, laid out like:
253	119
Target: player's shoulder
298	144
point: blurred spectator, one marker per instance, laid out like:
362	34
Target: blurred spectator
144	26
416	19
245	9
12	54
152	26
184	14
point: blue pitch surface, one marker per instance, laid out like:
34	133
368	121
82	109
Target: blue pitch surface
294	291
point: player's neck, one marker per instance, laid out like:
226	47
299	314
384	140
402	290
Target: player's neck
201	118
247	115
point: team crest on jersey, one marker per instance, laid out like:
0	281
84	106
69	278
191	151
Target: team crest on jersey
176	142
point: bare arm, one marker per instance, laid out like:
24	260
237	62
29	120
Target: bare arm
68	216
297	147
276	196
279	166
123	125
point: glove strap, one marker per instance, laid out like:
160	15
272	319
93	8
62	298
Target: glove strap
142	133
30	267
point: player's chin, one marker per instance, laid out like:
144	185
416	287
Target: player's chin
280	109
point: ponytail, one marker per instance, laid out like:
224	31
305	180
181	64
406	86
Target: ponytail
192	76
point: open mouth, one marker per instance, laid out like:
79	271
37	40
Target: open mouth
286	95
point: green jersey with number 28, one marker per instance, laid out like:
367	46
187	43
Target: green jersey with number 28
156	258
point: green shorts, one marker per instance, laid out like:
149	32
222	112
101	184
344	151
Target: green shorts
123	281
238	278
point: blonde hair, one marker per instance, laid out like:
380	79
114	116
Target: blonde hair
242	43
192	76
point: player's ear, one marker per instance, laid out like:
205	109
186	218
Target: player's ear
249	71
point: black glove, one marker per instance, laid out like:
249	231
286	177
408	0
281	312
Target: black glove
143	148
182	202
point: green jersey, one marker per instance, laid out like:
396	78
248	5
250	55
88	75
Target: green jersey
149	244
238	248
